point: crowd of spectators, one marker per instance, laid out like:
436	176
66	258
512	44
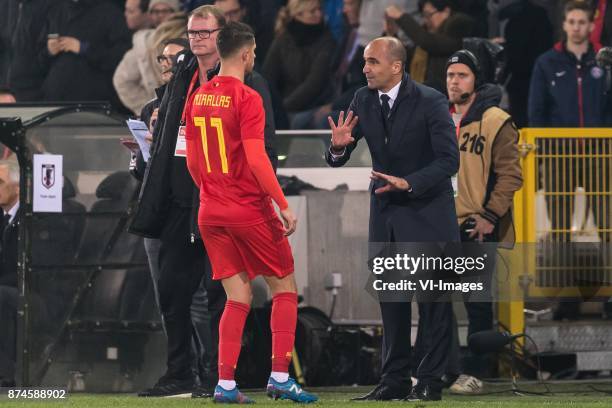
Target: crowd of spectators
310	51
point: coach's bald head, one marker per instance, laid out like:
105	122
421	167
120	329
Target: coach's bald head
385	58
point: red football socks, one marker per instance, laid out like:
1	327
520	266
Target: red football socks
282	323
230	337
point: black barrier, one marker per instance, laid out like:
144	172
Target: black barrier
84	290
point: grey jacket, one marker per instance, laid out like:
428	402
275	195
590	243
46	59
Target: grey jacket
137	75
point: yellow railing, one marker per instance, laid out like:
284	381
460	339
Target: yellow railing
566	197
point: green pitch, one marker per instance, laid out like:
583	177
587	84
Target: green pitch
565	394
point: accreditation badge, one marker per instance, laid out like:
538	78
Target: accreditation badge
181	143
455	185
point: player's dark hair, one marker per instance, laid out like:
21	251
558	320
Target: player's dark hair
233	37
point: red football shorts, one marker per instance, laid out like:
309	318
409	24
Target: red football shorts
260	249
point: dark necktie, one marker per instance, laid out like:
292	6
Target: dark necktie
3	224
386	110
5	220
384	105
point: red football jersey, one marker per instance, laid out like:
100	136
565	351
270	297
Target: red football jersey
219	115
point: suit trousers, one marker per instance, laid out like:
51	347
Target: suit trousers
432	346
191	303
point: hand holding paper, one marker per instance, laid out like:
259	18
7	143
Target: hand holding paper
140	131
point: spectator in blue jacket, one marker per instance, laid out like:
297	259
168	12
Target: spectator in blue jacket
568	90
567	87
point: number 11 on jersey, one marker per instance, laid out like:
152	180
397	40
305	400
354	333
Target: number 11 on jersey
216	123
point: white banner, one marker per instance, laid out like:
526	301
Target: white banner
48	182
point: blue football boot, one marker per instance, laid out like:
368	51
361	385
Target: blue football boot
223	396
289	390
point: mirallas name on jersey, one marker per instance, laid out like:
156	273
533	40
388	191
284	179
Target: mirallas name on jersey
217	101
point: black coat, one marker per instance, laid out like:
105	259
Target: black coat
423	150
166	173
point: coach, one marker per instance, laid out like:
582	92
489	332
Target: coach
414	152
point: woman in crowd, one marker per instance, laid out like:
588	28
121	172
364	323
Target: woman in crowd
298	62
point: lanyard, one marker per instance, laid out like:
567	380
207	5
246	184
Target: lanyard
458	125
189	91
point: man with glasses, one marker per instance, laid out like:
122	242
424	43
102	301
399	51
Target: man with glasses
136	76
167	62
434	41
168	204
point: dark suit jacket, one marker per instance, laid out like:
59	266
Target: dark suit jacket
423	150
8	251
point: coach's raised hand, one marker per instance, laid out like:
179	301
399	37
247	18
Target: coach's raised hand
393	183
342	133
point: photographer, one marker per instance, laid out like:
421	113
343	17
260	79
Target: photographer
489	174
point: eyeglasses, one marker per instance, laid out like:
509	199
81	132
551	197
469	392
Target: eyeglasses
160	11
168	59
201	34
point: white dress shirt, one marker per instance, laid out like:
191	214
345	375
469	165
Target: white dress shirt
392	94
13	211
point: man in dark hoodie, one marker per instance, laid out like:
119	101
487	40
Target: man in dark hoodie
489	174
